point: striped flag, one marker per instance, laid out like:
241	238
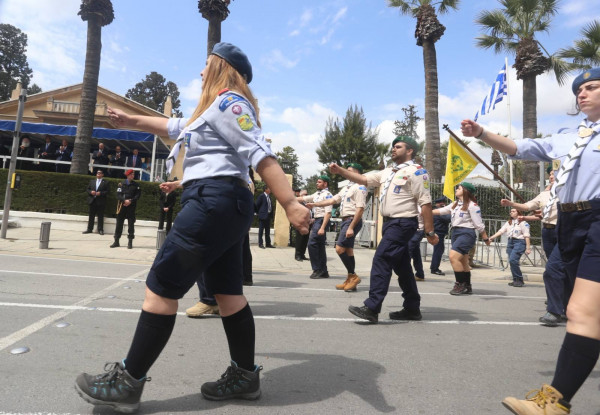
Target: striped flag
497	92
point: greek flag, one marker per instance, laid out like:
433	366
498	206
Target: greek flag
496	94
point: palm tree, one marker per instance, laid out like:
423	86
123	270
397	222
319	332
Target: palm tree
215	11
585	53
428	31
97	13
513	29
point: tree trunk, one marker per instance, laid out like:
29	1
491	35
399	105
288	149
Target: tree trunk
432	122
214	34
89	90
531	175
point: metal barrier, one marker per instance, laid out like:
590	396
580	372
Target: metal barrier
161	235
45	235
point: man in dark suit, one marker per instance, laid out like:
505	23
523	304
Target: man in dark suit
97	191
64	153
47	152
25	150
440	226
100	157
135	162
264	208
117	160
167	203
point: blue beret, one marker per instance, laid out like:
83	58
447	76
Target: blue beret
589	75
235	57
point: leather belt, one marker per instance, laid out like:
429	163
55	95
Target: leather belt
577	206
548	226
228	179
347	217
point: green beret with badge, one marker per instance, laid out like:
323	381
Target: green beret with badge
409	141
355	166
325	178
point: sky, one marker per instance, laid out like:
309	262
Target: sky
312	60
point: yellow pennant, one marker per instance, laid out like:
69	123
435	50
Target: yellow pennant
459	165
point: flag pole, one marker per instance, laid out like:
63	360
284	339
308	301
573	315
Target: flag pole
510	163
496	176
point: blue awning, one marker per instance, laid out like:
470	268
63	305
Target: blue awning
127	139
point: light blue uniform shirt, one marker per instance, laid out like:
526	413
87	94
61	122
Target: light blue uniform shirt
223	141
584	181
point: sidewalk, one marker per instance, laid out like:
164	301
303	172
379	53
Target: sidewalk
72	244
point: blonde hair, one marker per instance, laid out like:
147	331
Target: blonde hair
221	75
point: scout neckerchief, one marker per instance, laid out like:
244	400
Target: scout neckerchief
585	135
395	168
348	186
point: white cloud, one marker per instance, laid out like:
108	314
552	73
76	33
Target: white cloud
275	60
192	90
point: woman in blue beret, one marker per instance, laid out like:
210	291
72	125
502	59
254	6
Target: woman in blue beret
577	189
222	138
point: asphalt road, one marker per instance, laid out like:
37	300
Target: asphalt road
466	355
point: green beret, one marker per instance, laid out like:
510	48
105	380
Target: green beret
410	142
469	187
325	178
549	169
355	166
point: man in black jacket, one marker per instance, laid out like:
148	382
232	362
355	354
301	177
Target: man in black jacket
128	193
264	209
440	226
97	190
167	203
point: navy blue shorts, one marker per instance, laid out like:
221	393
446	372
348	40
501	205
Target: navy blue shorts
463	239
206	238
348	242
579	242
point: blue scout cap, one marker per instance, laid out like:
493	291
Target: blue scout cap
589	75
325	178
356	166
235	57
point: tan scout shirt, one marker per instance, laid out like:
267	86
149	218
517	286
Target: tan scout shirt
471	218
539	202
319	211
409	188
352	197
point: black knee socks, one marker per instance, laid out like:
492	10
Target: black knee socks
463	277
151	336
576	360
348	262
239	329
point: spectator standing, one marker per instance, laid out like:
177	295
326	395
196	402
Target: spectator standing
97	191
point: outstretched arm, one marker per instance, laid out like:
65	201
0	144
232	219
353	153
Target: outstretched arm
350	175
470	128
154	125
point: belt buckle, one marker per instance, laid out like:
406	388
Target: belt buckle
583	205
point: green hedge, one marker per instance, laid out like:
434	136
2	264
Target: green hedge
66	193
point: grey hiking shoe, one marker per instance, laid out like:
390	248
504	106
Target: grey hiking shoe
235	383
115	388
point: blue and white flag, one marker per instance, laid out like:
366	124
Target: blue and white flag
496	94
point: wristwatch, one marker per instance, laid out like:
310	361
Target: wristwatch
432	233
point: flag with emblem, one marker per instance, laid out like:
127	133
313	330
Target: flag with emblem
459	165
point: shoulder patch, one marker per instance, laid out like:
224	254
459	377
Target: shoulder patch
362	187
228	100
245	122
328	196
420	172
222	91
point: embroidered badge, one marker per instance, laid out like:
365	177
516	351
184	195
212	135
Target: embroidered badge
362	187
245	122
236	109
461	214
426	184
228	100
397	189
328	197
420	172
186	139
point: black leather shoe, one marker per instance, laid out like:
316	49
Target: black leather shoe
438	272
84	232
406	314
364	312
270	246
248	283
314	275
101	232
323	274
304	258
298	258
115	244
130	244
261	247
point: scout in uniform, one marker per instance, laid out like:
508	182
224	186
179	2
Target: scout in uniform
577	188
317	239
222	138
128	193
352	199
405	187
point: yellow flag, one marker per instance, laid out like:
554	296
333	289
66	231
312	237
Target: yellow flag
459	165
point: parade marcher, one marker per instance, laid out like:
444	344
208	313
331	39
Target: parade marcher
301	242
466	223
317	238
97	191
519	242
352	199
556	282
577	188
440	225
222	138
405	187
128	193
414	250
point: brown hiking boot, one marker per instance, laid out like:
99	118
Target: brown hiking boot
343	285
460	288
201	309
547	401
354	281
